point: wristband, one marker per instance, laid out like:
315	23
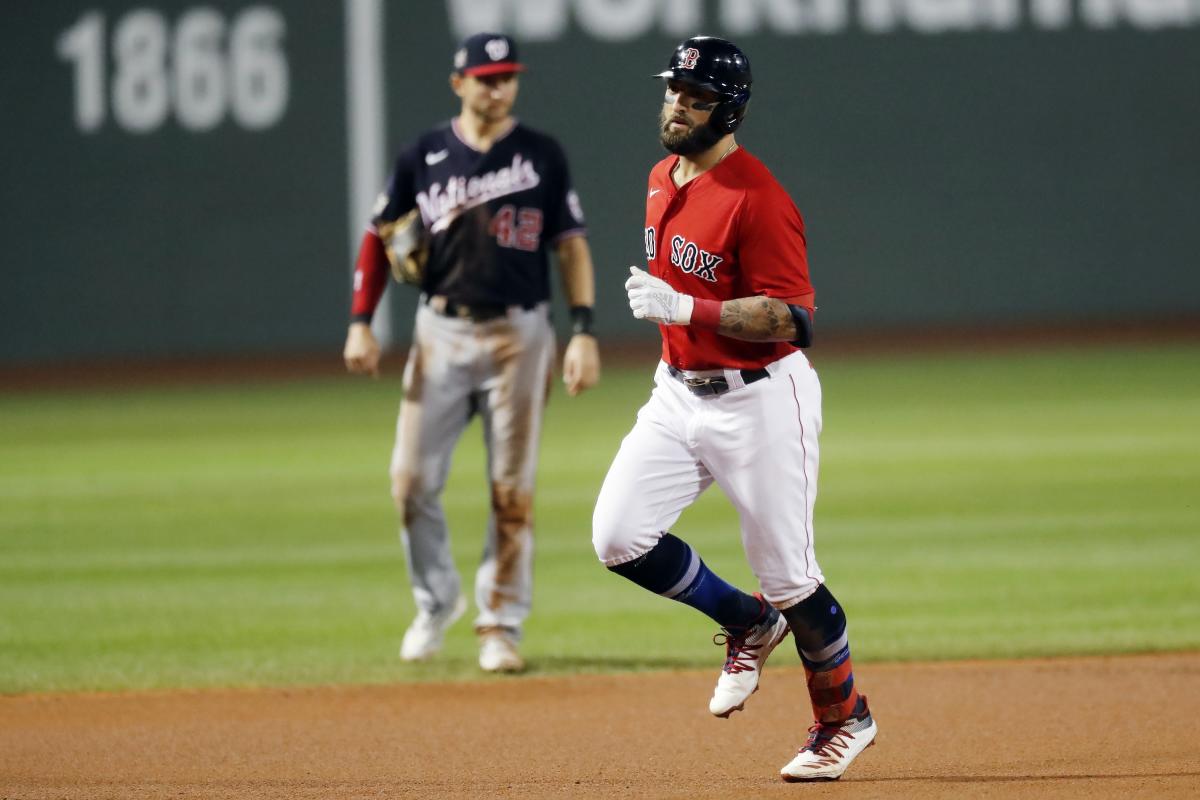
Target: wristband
802	319
706	313
581	320
362	317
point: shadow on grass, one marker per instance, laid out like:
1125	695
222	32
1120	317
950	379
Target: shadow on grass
599	663
459	668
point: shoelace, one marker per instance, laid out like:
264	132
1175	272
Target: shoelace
739	656
828	741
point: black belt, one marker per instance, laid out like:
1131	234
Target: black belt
476	312
717	383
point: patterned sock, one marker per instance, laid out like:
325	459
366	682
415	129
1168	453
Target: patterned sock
672	568
819	626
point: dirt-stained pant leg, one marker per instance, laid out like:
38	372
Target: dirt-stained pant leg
520	349
438	381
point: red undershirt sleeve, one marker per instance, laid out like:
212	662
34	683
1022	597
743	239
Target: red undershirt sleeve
370	277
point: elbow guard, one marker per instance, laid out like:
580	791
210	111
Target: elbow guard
802	318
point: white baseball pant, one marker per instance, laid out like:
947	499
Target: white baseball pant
757	441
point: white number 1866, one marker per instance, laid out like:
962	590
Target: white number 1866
188	68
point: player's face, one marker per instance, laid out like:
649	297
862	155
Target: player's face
490	98
683	124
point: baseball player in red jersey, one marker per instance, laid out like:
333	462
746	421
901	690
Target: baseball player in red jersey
736	402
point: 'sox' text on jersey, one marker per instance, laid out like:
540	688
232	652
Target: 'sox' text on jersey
694	260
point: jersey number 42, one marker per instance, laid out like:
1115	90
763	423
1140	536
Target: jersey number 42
520	229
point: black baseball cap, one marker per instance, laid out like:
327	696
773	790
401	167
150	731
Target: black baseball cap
487	54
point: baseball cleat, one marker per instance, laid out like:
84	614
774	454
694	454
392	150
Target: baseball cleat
498	651
744	659
424	636
831	748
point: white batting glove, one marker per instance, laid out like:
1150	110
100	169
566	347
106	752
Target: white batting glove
654	299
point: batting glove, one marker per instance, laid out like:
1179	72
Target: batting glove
654	299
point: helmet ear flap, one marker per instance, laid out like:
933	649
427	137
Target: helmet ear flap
728	114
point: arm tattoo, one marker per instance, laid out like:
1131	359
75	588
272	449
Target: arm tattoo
757	319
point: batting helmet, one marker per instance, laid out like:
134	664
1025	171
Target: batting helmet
718	66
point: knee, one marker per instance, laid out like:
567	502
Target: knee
608	549
406	495
818	624
513	510
603	534
613	538
623	528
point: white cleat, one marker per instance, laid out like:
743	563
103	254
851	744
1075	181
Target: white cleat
744	659
498	652
830	749
424	636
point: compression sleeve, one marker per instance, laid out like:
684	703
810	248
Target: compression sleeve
370	277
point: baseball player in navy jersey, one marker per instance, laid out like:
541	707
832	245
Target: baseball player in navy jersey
735	402
494	198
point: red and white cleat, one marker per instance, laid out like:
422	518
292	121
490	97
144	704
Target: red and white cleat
744	659
831	748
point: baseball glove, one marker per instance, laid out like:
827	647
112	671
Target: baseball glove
407	246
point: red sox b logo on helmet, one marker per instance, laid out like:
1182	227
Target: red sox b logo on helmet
690	56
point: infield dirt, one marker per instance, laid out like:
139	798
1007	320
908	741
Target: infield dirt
1063	728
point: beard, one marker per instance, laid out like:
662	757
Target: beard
696	139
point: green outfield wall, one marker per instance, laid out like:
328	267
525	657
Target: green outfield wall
187	179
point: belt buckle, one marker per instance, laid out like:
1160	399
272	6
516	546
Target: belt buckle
706	386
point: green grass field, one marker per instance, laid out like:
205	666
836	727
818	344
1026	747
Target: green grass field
1023	504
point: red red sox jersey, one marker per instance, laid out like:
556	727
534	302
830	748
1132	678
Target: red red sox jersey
732	232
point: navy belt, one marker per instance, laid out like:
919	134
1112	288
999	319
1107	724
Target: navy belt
476	312
717	383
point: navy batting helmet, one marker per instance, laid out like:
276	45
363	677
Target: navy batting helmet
718	66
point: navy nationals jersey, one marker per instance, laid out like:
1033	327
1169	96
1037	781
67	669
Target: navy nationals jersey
491	216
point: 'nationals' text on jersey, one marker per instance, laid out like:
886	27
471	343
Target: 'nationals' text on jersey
491	215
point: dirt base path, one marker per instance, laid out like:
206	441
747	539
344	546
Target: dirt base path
1065	728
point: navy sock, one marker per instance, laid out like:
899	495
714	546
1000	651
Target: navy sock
818	625
673	569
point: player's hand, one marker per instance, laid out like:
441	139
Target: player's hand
581	363
362	351
653	299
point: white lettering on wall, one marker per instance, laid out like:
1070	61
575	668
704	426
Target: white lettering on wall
942	16
202	69
1050	14
616	20
543	20
685	17
546	20
1155	14
784	16
624	20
